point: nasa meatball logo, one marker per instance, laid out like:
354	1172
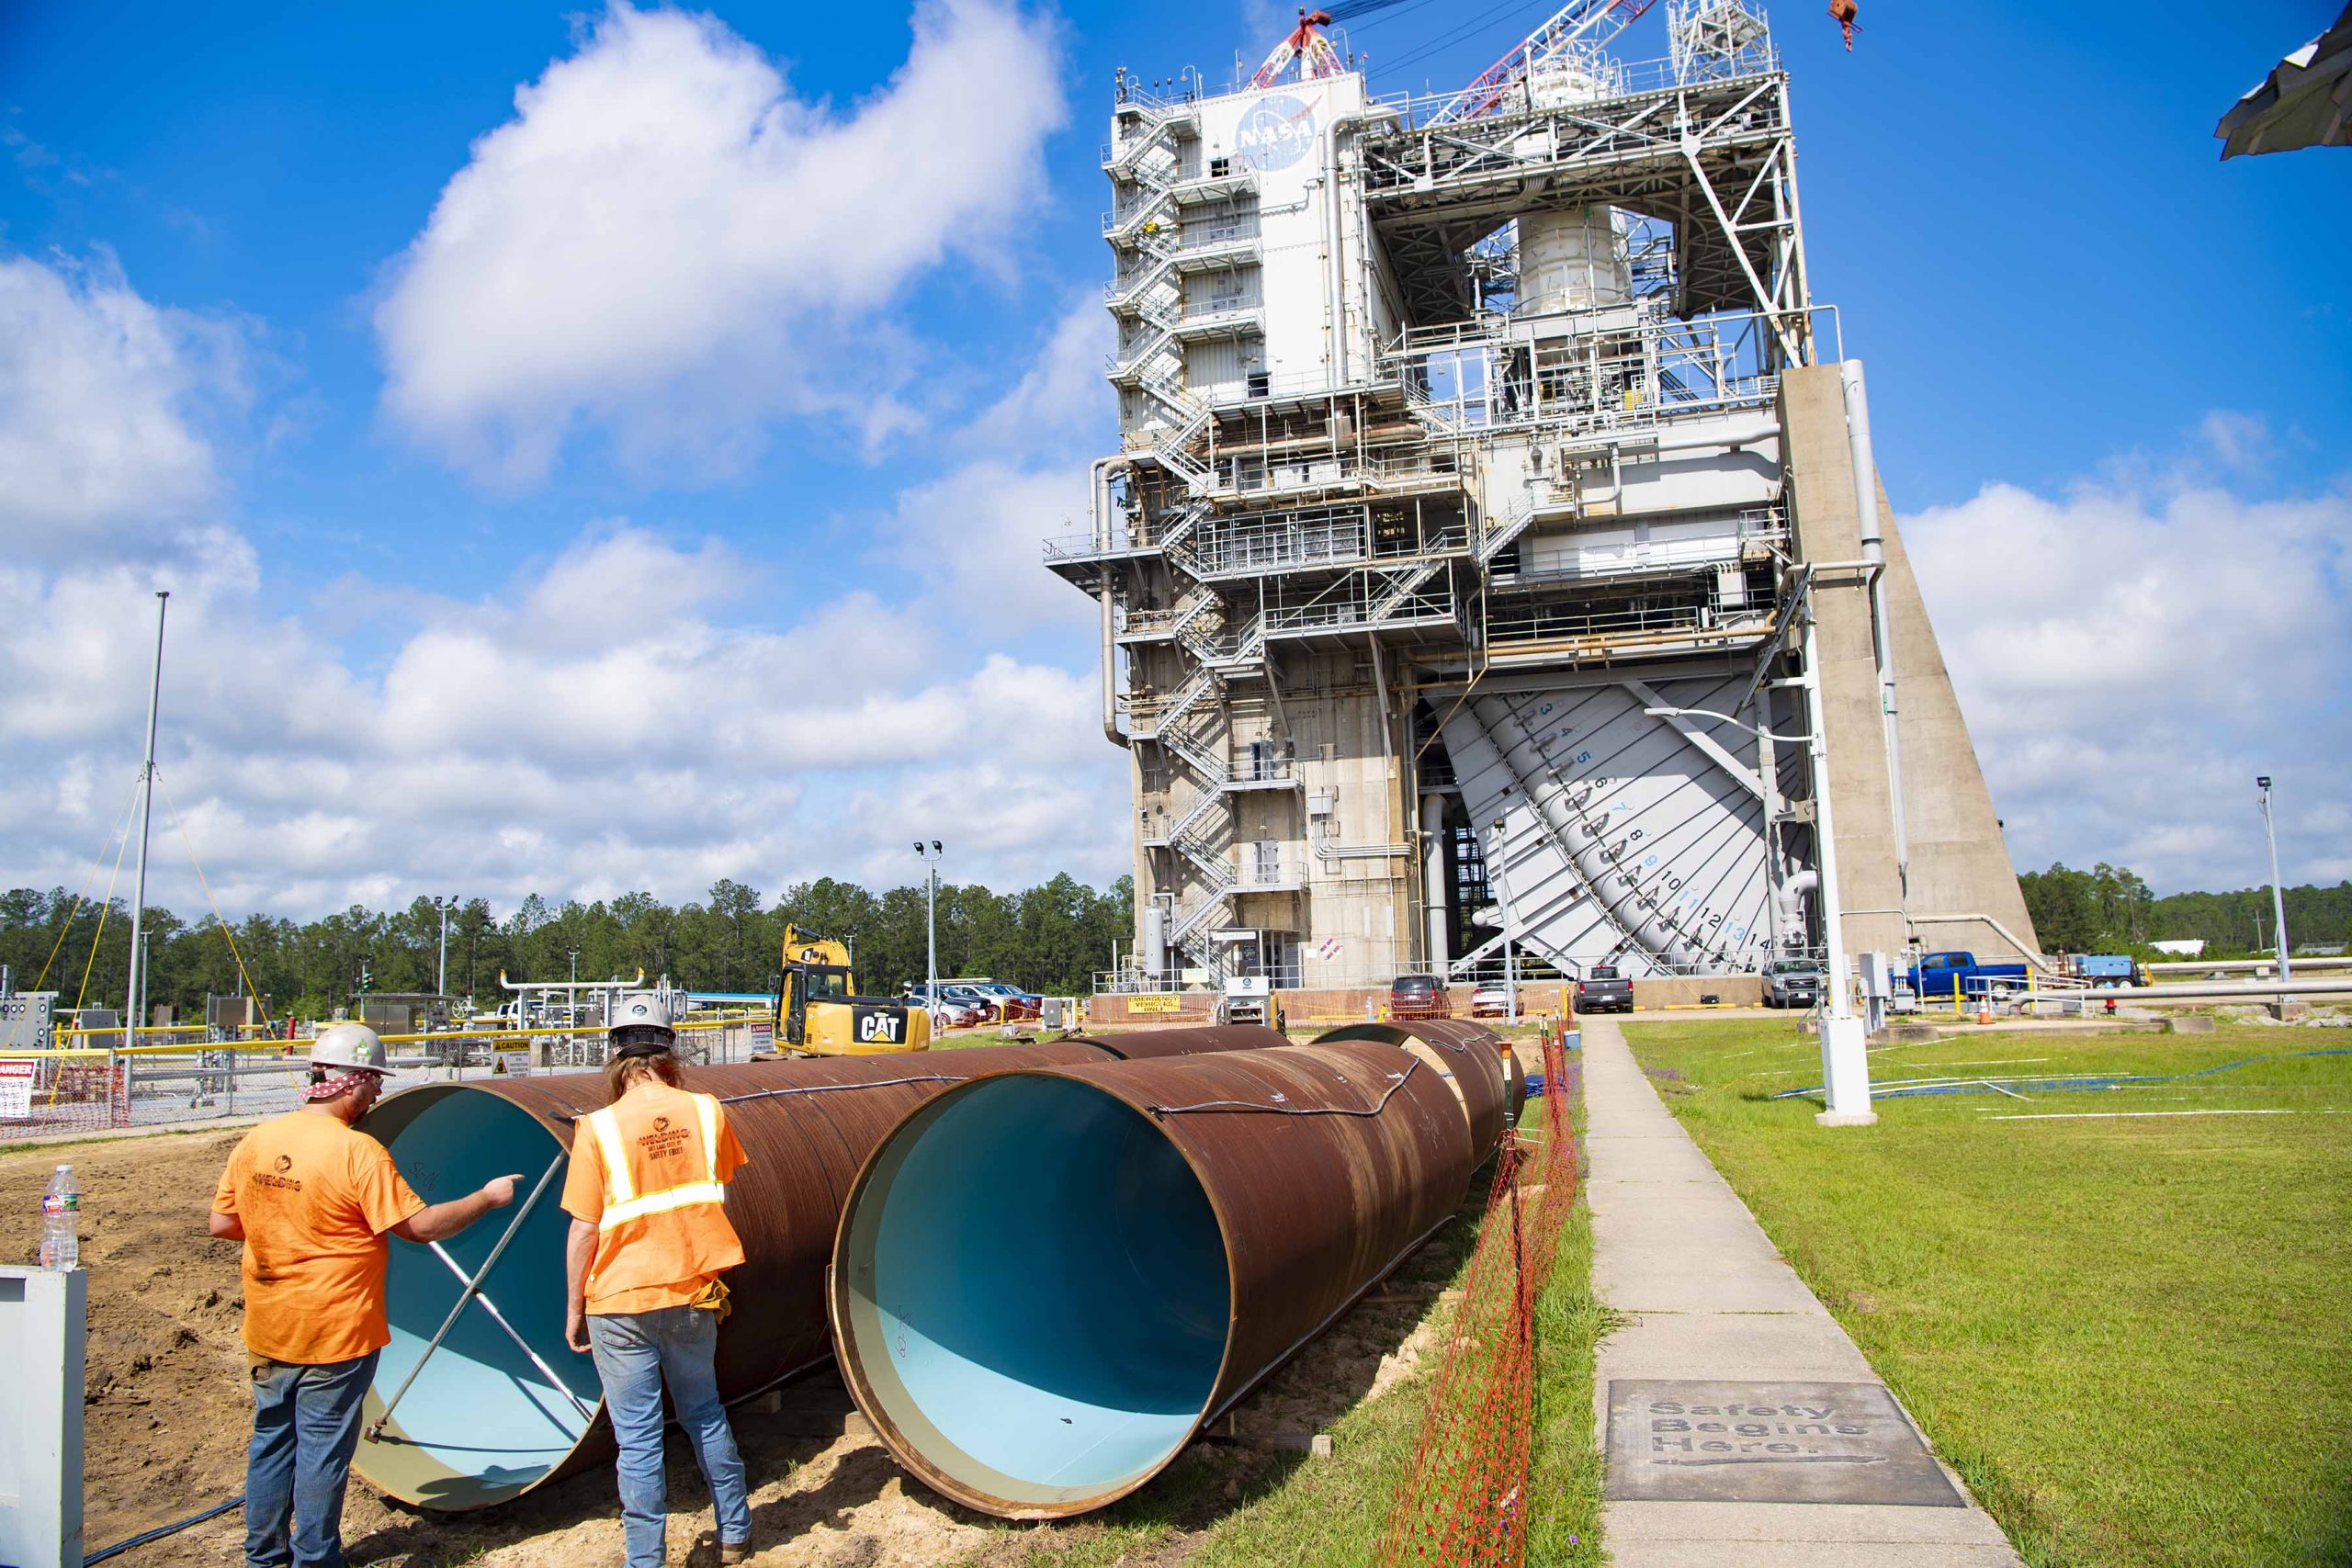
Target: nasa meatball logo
1274	132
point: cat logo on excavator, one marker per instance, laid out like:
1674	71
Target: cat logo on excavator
819	1013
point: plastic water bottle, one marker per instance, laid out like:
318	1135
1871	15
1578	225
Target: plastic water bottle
61	1209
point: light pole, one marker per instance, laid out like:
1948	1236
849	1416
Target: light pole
1502	897
146	810
2278	898
1845	1054
441	977
929	858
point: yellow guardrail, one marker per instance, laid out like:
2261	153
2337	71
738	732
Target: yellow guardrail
273	1042
13	1054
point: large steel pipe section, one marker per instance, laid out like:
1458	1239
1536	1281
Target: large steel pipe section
1477	1063
500	1404
1048	1280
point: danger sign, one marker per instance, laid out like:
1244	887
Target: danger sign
16	1088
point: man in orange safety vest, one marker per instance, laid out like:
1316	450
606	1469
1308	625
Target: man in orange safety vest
646	1192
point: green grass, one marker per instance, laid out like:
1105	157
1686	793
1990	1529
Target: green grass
1221	1506
2128	1334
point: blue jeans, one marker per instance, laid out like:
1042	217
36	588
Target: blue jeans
306	1424
635	1353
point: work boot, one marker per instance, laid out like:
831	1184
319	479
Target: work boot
734	1551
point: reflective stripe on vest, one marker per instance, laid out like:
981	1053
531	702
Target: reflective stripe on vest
625	1205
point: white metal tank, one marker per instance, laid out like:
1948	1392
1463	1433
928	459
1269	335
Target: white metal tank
1573	260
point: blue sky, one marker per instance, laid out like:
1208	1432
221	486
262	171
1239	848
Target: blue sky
791	427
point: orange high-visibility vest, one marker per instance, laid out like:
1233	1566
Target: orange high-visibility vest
623	1202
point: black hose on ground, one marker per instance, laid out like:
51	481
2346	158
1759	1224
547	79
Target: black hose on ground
160	1531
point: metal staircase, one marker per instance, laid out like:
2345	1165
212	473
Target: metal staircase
1400	591
1499	539
1168	431
1155	142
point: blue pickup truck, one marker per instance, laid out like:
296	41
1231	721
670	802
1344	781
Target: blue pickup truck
1940	976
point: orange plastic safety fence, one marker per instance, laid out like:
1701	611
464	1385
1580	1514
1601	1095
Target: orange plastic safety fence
1464	1504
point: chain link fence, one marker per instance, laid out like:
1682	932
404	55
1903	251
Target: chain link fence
90	1082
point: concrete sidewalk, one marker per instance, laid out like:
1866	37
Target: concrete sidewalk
1710	1299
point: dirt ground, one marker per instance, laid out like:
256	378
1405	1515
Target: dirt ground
167	1412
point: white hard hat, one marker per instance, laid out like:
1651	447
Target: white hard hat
643	1009
349	1045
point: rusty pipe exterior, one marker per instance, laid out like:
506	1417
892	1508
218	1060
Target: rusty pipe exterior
482	1424
1048	1280
1477	1063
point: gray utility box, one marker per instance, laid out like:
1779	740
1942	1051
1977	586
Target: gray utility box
42	1327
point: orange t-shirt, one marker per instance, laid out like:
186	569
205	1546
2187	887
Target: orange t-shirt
662	1232
315	1199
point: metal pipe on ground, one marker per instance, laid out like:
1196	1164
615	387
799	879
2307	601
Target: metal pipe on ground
482	1423
2218	991
1477	1065
1047	1281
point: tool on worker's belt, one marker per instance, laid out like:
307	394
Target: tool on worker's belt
1842	13
713	1299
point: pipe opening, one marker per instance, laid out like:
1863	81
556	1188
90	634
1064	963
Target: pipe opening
1032	1290
482	1422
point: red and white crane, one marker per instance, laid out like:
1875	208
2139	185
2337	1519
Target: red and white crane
1306	45
1580	23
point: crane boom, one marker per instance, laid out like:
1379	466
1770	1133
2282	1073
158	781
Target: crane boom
1307	46
1588	22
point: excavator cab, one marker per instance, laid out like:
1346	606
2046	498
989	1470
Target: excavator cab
819	1013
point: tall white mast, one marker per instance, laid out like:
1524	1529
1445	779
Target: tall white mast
146	814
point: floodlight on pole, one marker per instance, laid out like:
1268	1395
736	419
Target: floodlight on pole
134	995
1502	897
1845	1055
930	857
2278	898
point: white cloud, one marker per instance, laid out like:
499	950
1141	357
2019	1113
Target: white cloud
974	535
625	712
2129	655
102	399
667	244
525	743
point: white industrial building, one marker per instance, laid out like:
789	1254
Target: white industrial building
1489	500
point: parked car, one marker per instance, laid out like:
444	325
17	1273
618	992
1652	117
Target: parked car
1943	976
1603	989
946	1013
1420	996
1792	983
1012	1002
1490	1001
989	1008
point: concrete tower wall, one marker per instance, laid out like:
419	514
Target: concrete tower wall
1959	865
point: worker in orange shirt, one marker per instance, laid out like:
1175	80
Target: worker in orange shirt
313	1200
647	1191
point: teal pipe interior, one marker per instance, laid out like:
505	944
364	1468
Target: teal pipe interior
482	1422
1047	1284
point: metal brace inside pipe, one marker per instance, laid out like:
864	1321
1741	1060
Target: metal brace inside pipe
472	1287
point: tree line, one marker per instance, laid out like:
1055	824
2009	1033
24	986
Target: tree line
2110	909
1050	939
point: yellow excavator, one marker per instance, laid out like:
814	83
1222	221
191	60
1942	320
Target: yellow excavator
819	1013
